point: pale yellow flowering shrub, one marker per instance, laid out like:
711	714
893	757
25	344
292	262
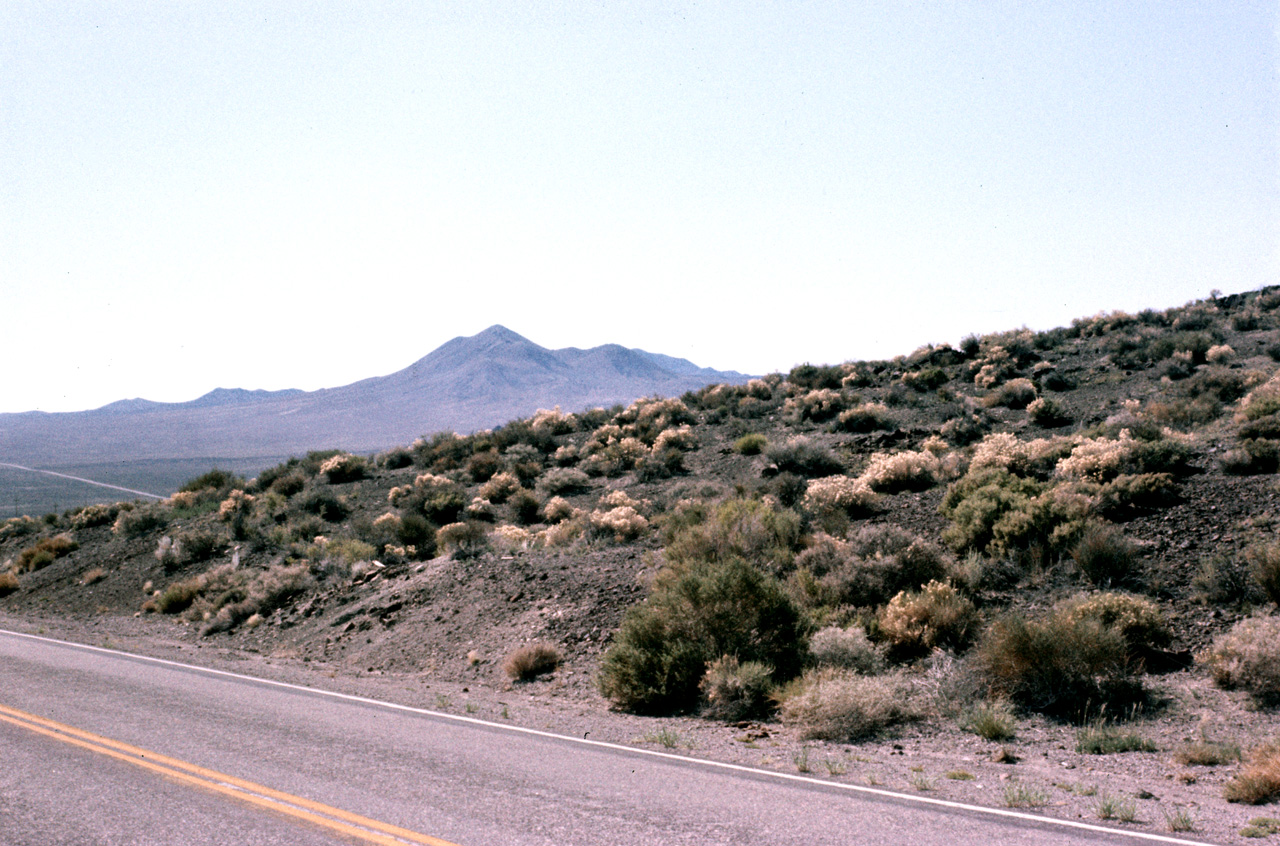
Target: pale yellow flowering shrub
898	471
1097	459
681	438
623	523
1220	354
839	493
237	504
500	487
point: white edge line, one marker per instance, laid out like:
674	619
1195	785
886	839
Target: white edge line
635	750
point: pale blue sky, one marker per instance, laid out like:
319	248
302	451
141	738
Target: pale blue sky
277	195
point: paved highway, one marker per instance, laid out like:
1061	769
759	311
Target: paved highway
100	747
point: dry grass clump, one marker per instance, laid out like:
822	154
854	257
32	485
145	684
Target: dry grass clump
1205	753
901	471
836	704
1263	561
839	494
530	661
621	524
734	690
991	720
8	582
94	576
1259	781
846	648
936	616
44	552
1248	657
752	443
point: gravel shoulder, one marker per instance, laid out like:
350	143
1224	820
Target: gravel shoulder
1038	770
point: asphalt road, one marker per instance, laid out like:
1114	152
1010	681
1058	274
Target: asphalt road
104	748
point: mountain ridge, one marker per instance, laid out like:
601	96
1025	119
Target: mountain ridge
467	383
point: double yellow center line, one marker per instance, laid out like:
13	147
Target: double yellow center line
316	813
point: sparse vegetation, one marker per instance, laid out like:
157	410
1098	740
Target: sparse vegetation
530	661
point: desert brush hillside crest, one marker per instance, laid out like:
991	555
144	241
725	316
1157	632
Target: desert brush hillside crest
1027	526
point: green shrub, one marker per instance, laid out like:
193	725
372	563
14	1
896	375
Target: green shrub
803	457
343	467
483	465
1059	666
1263	561
418	532
1226	580
734	690
17	527
1252	457
288	484
562	481
1128	494
736	528
1110	739
1048	412
847	648
395	458
178	596
325	505
526	507
198	545
93	515
697	613
927	379
1016	393
836	704
936	616
750	444
980	500
873	565
141	521
45	551
868	417
1105	556
990	721
217	480
816	376
1135	618
660	464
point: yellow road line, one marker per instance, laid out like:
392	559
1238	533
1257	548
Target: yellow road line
317	813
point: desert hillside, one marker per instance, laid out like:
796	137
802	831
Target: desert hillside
1073	527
